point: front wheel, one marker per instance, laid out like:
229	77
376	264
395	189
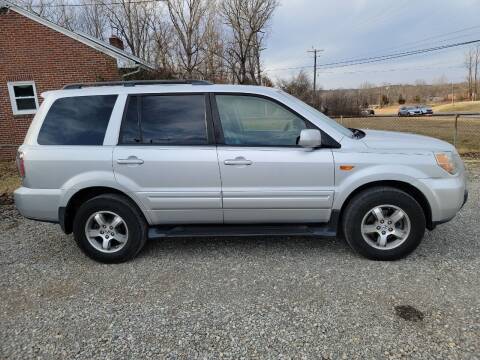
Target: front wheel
384	223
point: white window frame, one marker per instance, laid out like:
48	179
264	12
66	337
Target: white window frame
13	98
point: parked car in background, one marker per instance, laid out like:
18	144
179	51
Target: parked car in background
426	110
367	112
121	163
409	111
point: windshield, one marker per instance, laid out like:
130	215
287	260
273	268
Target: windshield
338	127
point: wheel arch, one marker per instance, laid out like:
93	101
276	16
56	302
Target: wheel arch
67	213
413	191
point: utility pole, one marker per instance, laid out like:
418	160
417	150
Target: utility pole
315	55
453	95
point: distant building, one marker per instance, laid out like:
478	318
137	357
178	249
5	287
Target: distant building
37	55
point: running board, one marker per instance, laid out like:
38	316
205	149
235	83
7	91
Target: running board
320	230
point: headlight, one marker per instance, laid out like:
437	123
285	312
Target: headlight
446	162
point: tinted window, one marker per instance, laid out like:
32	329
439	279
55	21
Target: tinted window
130	127
166	120
255	121
174	119
80	120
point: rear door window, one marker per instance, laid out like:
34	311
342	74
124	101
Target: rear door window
78	120
165	120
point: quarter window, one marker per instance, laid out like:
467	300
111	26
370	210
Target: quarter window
256	121
165	120
77	120
131	133
23	97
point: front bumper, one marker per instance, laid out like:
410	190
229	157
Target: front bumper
446	196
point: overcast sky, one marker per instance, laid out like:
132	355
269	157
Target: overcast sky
347	29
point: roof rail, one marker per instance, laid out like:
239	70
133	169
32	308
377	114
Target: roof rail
135	83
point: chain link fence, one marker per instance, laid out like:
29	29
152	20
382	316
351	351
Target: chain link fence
461	130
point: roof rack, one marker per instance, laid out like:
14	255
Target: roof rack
135	83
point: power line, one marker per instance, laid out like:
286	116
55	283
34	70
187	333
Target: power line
423	67
96	4
372	59
403	46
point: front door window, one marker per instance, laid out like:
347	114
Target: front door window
256	121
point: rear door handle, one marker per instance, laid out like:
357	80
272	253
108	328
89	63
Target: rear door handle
131	160
238	161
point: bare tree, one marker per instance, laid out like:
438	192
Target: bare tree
470	66
93	19
57	11
219	40
476	69
247	21
188	19
299	86
39	7
64	15
163	42
214	66
132	21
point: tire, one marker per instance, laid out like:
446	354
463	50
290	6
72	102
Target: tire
123	225
366	234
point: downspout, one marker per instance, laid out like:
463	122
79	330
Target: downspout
133	72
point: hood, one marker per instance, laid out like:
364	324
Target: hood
392	140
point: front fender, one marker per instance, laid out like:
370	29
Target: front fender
371	168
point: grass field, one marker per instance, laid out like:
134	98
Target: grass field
468	131
467	106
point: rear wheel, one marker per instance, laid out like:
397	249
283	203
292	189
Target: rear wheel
109	228
384	223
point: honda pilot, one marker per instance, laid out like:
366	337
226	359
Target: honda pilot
119	163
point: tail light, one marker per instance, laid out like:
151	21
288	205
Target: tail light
20	164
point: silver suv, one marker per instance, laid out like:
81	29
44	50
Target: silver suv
121	163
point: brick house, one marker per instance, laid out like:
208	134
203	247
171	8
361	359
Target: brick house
37	55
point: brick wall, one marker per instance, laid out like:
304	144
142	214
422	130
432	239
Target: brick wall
31	51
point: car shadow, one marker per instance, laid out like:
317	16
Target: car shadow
248	245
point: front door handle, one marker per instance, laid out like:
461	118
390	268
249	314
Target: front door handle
239	160
131	160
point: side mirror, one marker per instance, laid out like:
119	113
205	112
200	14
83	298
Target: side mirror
310	138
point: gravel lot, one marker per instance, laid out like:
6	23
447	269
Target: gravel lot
240	297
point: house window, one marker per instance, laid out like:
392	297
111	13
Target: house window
23	97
